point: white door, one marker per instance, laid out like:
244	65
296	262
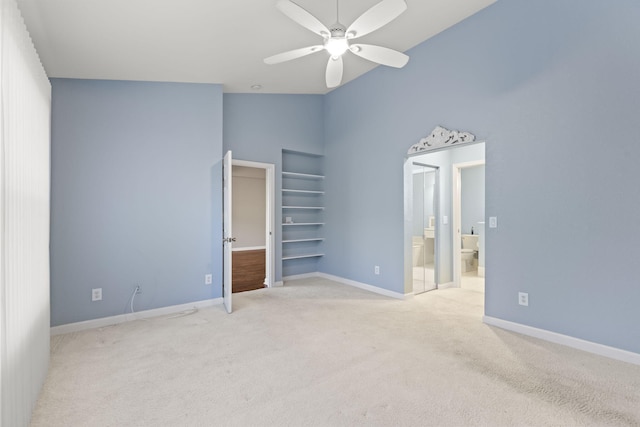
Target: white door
227	236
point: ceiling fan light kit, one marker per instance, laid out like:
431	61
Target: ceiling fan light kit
337	39
336	46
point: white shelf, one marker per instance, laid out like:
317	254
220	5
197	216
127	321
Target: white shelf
301	175
289	190
304	223
317	239
302	256
303	207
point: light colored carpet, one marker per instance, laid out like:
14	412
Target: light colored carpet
472	281
317	353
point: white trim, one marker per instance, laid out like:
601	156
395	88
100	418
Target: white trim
121	318
364	286
447	285
456	232
554	337
249	248
408	225
353	283
270	237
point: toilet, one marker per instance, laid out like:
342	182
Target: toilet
469	252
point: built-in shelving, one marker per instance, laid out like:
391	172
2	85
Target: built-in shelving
302	212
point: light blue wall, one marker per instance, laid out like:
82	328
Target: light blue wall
259	127
550	85
136	196
472	198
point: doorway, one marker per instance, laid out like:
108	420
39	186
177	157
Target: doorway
448	229
468	217
253	225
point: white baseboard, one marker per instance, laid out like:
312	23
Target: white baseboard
121	318
300	276
353	283
364	286
446	285
588	346
278	284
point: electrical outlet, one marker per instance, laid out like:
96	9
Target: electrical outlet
96	294
523	298
208	279
376	269
138	290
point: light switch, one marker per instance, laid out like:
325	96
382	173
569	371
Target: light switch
493	222
445	220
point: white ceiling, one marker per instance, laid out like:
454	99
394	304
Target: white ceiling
214	41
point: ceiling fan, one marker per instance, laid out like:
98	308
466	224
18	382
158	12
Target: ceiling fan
337	38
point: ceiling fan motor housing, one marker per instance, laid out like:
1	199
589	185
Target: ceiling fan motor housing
338	30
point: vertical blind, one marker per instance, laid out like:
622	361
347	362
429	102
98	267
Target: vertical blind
25	109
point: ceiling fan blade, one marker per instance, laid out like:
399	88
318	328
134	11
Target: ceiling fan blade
378	16
381	55
292	54
334	72
302	17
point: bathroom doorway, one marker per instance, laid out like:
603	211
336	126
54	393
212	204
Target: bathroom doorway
424	235
468	218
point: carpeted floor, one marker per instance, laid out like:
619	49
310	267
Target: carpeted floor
317	353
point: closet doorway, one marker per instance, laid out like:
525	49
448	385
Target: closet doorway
424	240
253	224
